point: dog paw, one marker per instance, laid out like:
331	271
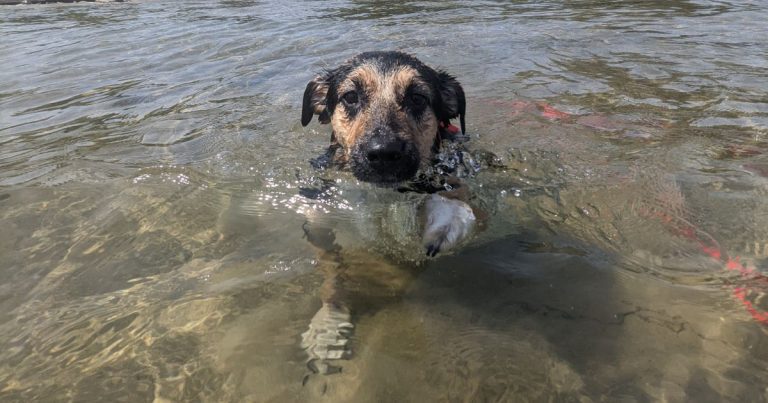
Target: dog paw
448	222
327	339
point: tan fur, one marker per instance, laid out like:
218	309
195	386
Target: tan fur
385	94
367	74
348	131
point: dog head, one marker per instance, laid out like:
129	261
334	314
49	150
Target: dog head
386	109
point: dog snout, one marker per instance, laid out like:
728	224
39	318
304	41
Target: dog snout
385	157
383	152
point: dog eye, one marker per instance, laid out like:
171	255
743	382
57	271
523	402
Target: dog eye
350	98
418	100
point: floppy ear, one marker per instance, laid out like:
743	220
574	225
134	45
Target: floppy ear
454	103
315	101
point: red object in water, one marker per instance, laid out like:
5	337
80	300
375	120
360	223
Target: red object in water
750	275
548	111
712	251
754	280
741	294
542	109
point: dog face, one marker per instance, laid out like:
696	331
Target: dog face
386	109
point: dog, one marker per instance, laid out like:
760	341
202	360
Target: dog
389	114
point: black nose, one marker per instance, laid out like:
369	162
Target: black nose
384	152
385	159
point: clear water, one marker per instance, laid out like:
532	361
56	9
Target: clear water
151	243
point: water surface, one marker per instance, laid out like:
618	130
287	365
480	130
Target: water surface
152	248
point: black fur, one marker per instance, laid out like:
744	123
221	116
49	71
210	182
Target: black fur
321	97
381	156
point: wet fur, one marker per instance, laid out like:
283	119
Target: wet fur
386	84
398	100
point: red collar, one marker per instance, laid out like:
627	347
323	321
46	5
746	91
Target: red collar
451	129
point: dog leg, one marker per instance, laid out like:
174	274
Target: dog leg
327	338
447	222
330	329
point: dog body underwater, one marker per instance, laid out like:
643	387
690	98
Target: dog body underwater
389	114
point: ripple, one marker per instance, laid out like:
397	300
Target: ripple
155	186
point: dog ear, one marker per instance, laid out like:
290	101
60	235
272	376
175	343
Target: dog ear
454	103
315	101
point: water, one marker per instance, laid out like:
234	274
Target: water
152	244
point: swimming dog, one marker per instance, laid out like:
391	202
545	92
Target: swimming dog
389	114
